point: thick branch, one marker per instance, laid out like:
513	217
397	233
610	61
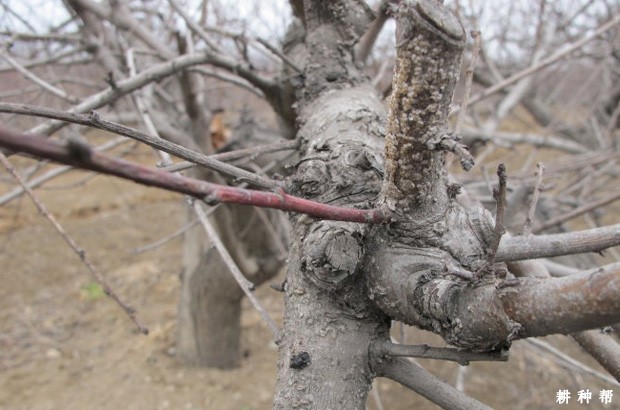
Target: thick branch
430	42
564	305
546	246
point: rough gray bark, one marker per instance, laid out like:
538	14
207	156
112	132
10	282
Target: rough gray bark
433	264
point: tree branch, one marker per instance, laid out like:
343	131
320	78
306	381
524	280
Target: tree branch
93	120
462	357
147	76
79	251
53	173
37	80
604	348
81	155
563	305
577	212
542	64
421	381
513	248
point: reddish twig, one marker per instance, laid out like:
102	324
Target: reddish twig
81	155
94	120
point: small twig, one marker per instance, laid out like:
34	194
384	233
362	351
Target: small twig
230	156
37	80
94	120
245	284
275	236
130	311
229	78
542	64
571	363
500	212
577	212
281	55
193	25
441	353
166	239
527	228
469	76
142	110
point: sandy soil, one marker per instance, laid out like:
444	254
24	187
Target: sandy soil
64	346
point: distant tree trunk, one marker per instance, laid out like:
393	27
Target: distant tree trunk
209	314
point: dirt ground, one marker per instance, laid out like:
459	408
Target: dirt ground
63	345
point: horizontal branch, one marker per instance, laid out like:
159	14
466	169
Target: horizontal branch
545	246
549	141
253	153
161	144
82	156
563	305
577	212
463	357
53	173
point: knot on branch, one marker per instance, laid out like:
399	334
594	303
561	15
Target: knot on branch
439	279
450	142
332	254
353	175
79	150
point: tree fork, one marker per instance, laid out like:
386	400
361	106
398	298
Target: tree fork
430	267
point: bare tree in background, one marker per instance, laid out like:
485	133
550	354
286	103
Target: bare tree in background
380	229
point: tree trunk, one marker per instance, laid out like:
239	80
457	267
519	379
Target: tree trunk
209	307
209	312
329	320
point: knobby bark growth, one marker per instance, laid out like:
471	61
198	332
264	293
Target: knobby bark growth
377	232
433	264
